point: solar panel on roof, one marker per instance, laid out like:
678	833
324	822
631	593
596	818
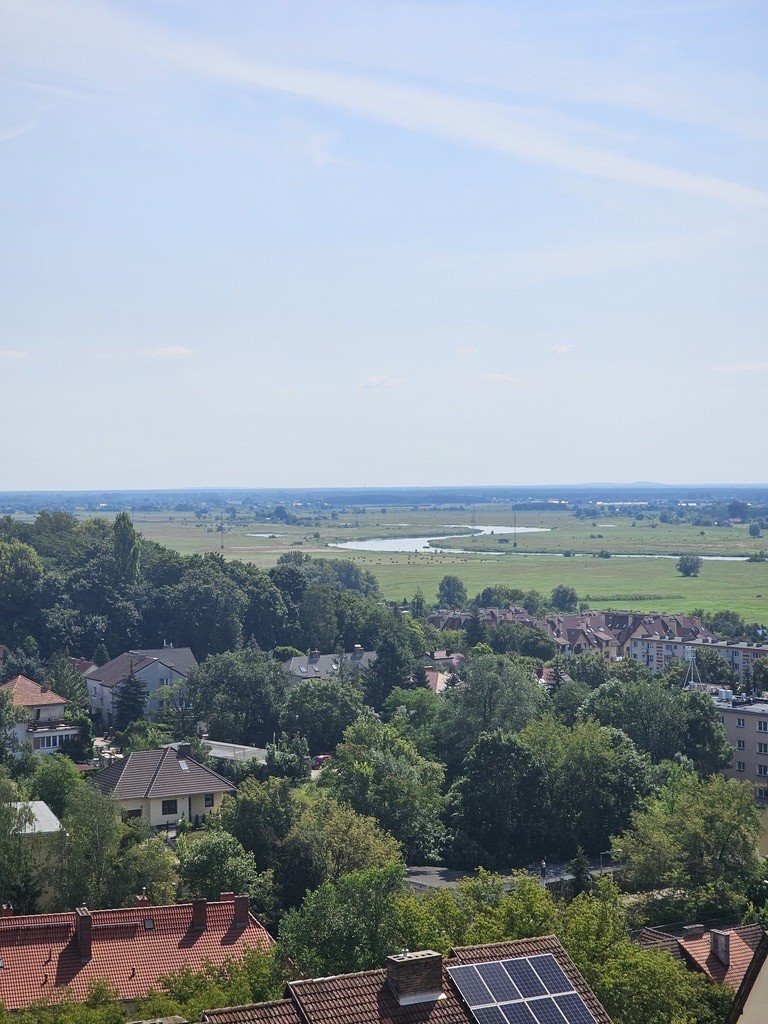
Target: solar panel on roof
522	990
470	984
525	977
574	1009
545	1011
501	986
518	1013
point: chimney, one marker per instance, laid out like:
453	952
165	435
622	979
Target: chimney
241	918
416	977
83	922
141	900
199	915
6	910
720	944
693	931
227	897
183	749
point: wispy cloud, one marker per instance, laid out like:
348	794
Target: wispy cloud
172	352
470	122
14	133
501	380
561	350
13	353
466	350
380	380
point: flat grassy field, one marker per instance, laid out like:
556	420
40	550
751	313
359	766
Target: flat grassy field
644	583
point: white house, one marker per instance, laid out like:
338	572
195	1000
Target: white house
41	715
155	668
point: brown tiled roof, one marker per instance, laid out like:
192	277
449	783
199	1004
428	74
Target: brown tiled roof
281	1011
26	693
651	938
366	997
41	957
155	774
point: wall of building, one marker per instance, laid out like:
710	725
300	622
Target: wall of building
755	1011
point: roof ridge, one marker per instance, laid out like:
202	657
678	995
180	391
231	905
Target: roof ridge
334	977
160	761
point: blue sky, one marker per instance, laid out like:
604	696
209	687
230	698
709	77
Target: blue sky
299	242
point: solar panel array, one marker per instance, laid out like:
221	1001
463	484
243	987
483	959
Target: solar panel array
524	990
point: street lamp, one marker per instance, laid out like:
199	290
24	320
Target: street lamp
604	853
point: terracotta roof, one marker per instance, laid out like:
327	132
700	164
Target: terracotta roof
281	1011
756	967
26	693
41	957
154	774
366	997
698	953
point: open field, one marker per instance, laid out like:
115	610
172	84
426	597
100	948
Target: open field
642	583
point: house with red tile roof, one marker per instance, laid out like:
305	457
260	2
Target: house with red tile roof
48	956
749	1006
42	724
467	987
723	954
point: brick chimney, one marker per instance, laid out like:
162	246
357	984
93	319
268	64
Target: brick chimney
83	922
241	918
227	897
7	910
693	931
141	900
720	945
199	914
416	977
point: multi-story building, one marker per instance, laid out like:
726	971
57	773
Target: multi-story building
746	727
659	652
41	711
156	668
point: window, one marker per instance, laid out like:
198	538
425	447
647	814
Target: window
135	813
740	723
762	748
741	745
740	766
209	799
149	924
169	807
762	726
762	770
762	794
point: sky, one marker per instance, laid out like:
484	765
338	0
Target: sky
382	242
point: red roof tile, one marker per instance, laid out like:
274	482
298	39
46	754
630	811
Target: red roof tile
698	952
26	693
41	957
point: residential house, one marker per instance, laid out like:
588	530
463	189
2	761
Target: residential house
329	666
156	667
43	724
49	956
40	827
749	1006
722	954
162	786
534	979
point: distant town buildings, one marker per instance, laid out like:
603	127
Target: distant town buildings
43	724
315	665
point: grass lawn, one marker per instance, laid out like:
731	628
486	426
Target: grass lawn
640	583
